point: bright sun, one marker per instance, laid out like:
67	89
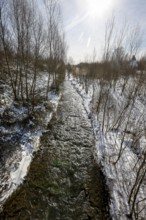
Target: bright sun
97	8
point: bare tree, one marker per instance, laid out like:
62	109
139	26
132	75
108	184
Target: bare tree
108	43
56	45
134	40
6	40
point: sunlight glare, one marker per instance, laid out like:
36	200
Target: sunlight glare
98	8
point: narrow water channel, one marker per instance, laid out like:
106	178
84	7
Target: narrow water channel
63	182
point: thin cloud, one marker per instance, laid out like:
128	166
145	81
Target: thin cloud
78	20
88	42
81	37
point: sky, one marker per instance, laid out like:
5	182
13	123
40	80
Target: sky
84	23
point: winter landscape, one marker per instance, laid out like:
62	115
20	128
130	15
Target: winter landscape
72	129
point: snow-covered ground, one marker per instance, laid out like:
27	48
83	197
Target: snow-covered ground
20	139
117	135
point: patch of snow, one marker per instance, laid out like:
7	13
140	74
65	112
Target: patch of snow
16	167
121	176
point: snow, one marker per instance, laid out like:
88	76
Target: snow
133	64
17	165
54	98
120	176
18	174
